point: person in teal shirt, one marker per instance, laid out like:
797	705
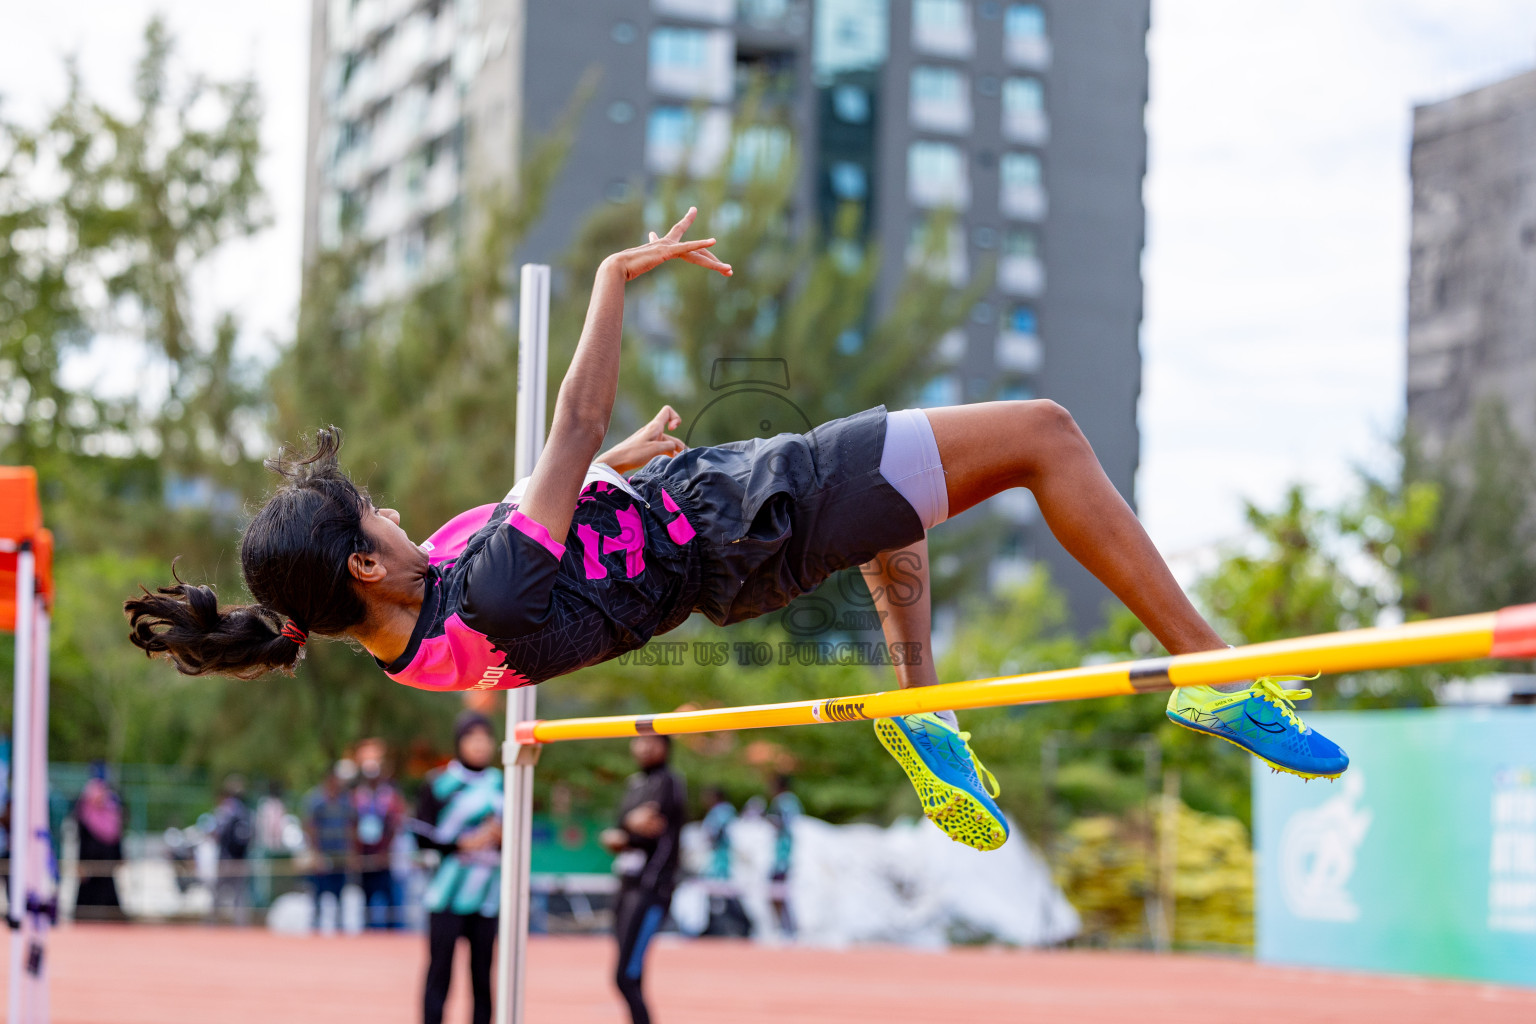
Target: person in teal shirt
459	816
783	809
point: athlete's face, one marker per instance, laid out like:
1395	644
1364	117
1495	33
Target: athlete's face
403	563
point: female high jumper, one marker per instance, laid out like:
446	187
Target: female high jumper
594	555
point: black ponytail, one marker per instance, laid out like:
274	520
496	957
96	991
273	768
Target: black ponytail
294	559
185	624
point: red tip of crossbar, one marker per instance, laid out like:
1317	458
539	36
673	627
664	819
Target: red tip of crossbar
522	733
1514	632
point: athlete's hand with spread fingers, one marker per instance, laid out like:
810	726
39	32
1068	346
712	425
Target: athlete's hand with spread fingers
671	246
646	443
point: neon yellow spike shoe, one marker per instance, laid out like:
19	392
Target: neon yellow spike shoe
1262	720
937	758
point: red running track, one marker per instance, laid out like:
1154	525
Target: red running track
190	975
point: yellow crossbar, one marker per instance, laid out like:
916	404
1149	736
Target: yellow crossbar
1509	633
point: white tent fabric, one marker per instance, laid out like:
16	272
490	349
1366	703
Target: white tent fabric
907	884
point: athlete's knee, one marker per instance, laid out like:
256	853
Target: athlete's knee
1050	428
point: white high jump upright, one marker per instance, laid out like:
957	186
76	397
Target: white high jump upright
21	781
517	807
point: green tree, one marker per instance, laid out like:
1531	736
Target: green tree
107	215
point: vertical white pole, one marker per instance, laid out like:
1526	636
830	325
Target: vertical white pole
517	809
21	772
42	880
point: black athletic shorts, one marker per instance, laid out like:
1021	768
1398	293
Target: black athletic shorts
776	516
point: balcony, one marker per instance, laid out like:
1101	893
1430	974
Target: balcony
937	177
1022	276
1018	352
1028	51
1023	201
1031	127
715	12
950	116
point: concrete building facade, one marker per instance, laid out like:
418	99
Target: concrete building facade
1472	277
1024	121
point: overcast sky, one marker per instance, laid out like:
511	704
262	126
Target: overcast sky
1277	203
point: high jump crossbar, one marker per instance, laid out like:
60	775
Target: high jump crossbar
1508	633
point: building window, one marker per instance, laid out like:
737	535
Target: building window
940	391
1023	320
1022	195
761	152
763	13
940	100
681	49
937	175
942	27
849	35
670	126
692	62
1021	243
939	253
1024	38
850	181
851	104
675	134
1024	117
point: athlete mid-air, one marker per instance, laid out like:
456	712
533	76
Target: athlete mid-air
594	555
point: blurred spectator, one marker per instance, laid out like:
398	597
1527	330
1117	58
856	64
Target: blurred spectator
458	815
783	809
329	824
647	844
98	814
5	812
380	812
727	917
271	816
233	830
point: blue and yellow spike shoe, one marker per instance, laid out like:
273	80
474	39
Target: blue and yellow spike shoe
1262	720
948	778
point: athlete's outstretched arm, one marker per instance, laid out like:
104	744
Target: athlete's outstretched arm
585	402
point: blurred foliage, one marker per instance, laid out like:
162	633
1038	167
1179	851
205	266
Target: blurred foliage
1108	866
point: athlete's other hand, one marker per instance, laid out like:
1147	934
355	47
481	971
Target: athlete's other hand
646	443
671	246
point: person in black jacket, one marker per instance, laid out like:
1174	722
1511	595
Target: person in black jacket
647	842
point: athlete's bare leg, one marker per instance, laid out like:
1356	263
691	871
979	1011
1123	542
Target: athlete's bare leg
991	447
898	583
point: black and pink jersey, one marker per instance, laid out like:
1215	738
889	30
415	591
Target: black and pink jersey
732	531
508	605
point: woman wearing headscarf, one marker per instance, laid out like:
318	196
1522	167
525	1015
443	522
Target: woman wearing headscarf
99	814
459	816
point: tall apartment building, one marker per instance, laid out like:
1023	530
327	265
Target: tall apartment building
1023	119
1472	277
